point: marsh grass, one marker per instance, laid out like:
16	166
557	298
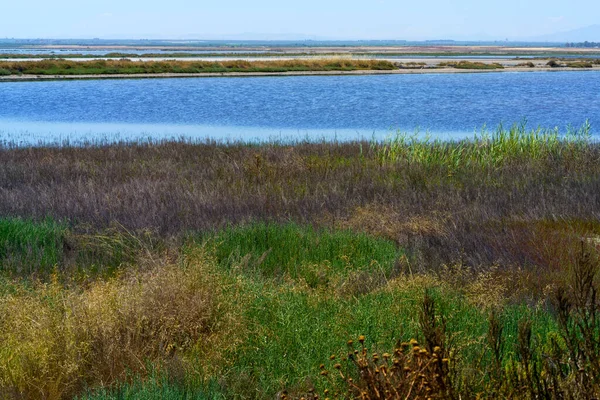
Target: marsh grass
501	198
485	150
203	328
234	271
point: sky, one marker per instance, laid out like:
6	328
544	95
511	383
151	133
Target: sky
319	19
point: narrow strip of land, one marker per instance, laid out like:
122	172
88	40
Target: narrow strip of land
40	77
125	68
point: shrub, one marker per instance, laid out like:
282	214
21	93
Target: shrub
528	64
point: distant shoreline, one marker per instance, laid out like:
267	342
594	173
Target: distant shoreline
22	78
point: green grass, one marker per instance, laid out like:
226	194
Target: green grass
40	248
294	330
27	246
156	387
315	255
485	150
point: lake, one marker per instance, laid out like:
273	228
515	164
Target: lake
294	107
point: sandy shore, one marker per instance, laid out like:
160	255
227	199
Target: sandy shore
12	78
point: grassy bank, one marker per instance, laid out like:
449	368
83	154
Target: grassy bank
181	270
97	67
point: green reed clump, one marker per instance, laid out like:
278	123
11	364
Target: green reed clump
486	150
39	248
314	255
28	247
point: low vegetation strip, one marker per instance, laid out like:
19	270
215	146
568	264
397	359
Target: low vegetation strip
176	270
470	65
107	67
124	68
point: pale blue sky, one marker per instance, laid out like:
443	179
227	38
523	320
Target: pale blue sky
343	19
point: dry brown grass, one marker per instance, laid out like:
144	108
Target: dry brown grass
55	340
385	221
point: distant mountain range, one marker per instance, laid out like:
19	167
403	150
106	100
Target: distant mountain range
590	33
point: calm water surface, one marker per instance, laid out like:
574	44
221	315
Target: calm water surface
304	107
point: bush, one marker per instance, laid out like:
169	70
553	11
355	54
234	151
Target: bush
528	64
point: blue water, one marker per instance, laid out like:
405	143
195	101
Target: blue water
303	107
